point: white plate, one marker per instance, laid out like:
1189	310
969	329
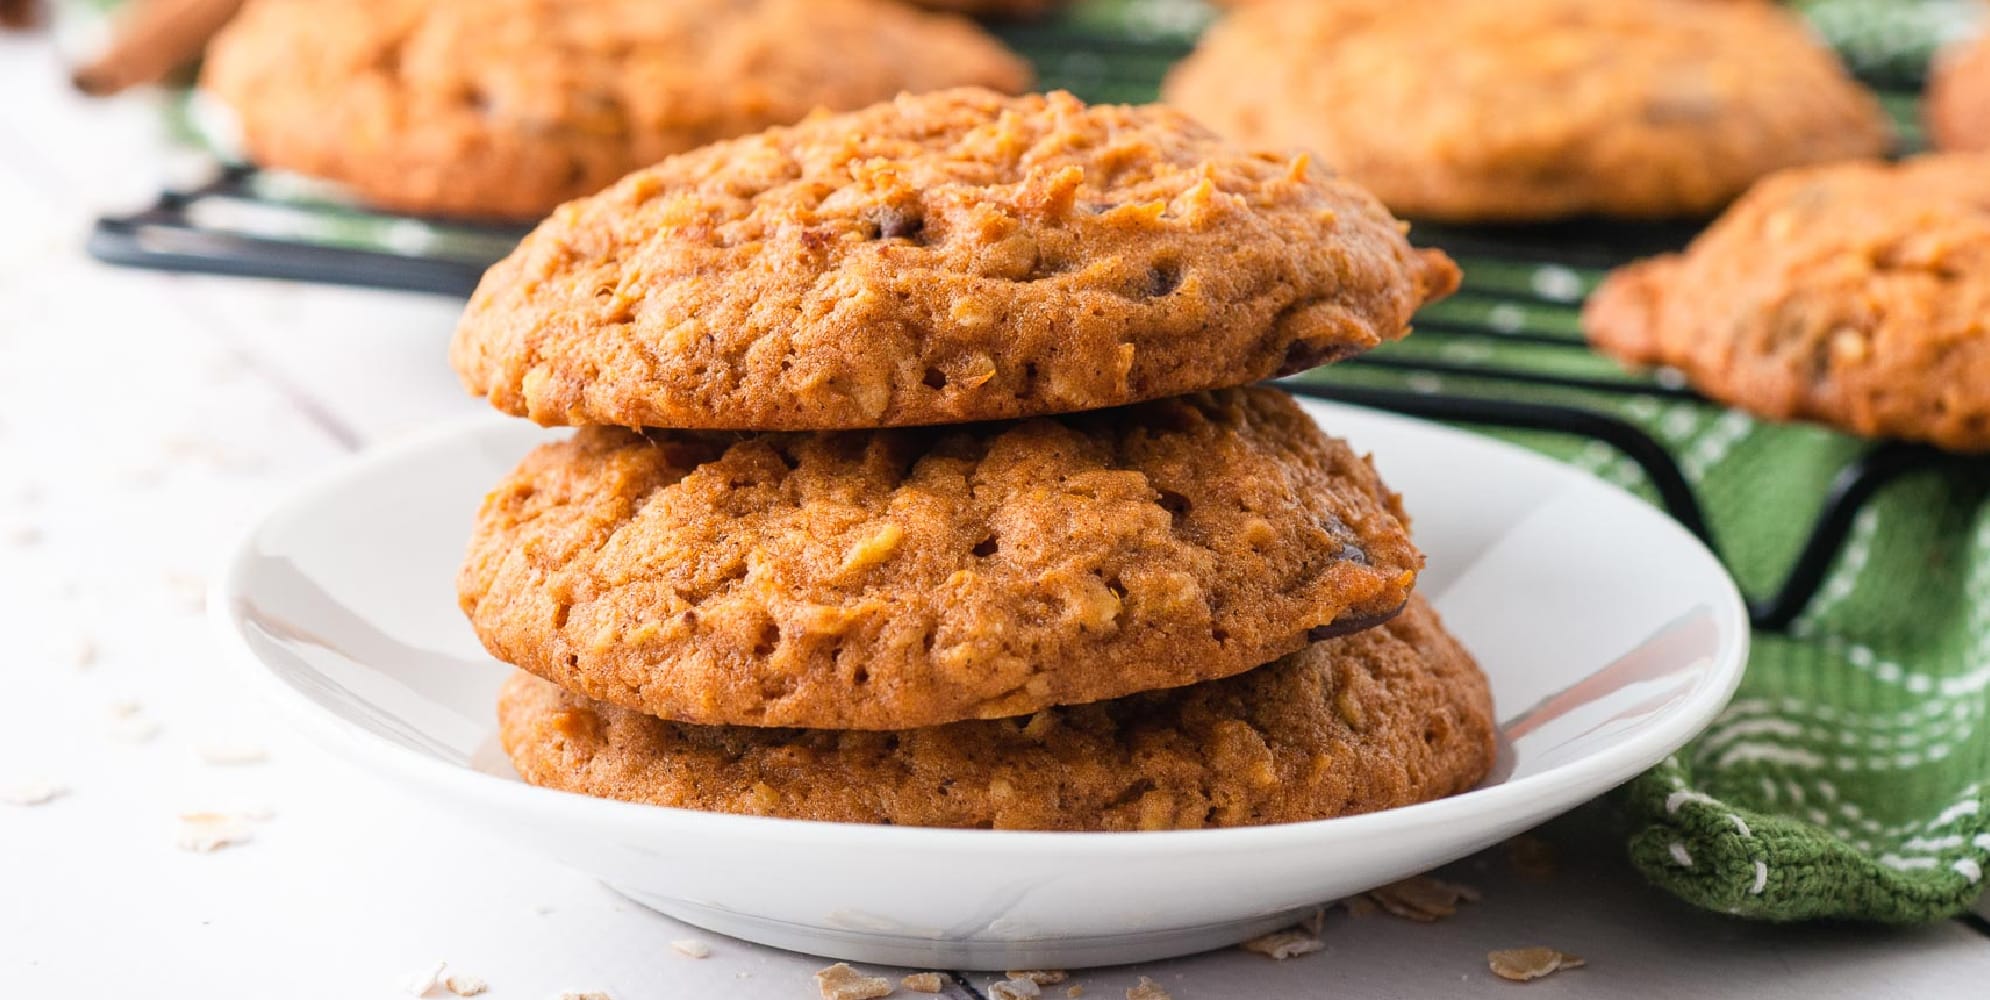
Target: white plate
1611	637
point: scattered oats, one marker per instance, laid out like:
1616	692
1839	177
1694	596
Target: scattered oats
422	983
1522	964
583	995
1315	922
81	652
1359	906
206	831
24	535
225	754
465	986
1014	989
924	982
32	793
189	590
1042	977
1422	898
1074	991
1281	945
1530	856
1147	989
840	982
130	725
691	949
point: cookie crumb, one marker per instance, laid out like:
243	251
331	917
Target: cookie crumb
32	793
228	754
1522	964
81	652
420	984
583	995
841	982
1014	989
691	949
1422	898
1041	977
189	590
464	986
1074	991
1530	857
1147	989
129	724
206	832
923	982
1281	945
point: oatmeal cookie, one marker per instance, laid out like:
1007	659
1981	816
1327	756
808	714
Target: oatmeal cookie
1856	295
901	578
1469	111
954	257
1388	717
506	108
1958	104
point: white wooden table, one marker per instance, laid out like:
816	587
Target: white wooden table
143	420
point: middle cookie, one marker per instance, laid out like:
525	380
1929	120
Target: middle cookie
894	579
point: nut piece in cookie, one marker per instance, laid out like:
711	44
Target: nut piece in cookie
506	108
1389	717
1853	295
944	258
1467	111
900	578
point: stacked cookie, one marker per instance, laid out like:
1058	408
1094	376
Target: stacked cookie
918	481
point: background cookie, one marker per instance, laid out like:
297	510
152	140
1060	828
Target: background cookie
505	108
959	256
1391	716
992	8
1856	295
1958	102
886	580
1533	109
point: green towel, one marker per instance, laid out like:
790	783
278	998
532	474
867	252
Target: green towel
1847	777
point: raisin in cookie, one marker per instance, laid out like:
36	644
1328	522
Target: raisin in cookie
506	108
953	257
1856	295
1388	717
1464	110
902	578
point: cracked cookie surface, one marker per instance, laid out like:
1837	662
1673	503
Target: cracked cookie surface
1470	111
1855	295
901	578
1388	717
506	108
947	258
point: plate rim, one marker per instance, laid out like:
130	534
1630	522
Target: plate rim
1562	786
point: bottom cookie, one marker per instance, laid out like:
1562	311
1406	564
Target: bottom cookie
1388	717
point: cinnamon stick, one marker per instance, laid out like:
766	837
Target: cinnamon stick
153	38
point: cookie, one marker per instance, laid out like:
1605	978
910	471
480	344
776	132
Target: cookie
1469	111
1388	717
506	108
948	258
992	8
1958	102
1857	295
902	578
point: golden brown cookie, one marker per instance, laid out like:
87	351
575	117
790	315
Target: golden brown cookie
992	8
1857	295
1465	110
506	108
1388	717
892	579
1958	103
939	259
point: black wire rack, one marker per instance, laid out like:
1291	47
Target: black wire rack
250	224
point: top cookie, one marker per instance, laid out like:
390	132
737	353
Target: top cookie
1958	107
1533	109
953	257
1857	295
505	108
